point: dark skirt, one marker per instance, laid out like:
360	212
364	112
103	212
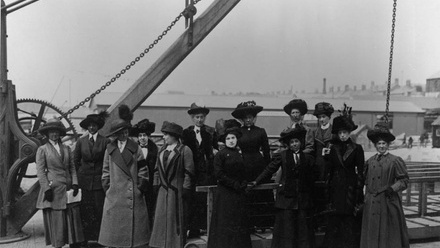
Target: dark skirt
293	228
63	226
229	220
343	231
92	203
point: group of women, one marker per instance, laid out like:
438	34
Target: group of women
373	218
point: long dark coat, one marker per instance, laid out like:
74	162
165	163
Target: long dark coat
203	154
346	191
322	139
294	199
125	211
383	223
88	159
150	195
173	178
229	221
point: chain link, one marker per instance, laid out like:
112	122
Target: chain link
390	68
130	65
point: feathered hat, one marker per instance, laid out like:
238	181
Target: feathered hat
98	119
125	116
323	108
143	126
299	104
344	121
293	133
380	132
195	109
53	124
244	108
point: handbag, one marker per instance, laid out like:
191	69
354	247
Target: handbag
71	198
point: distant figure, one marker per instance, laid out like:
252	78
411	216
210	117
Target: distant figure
296	109
410	142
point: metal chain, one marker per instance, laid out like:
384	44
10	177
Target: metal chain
391	62
130	65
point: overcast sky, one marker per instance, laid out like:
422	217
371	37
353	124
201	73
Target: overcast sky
63	50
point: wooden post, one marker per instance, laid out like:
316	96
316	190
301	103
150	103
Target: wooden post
176	53
210	205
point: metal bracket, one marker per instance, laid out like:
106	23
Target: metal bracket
188	13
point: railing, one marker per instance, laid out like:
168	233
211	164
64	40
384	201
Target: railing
210	197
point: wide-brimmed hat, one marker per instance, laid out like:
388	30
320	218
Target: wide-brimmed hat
299	104
125	117
323	108
233	130
344	121
143	126
245	108
99	119
380	132
195	109
53	124
172	128
293	133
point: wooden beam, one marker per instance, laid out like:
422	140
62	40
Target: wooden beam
175	54
23	210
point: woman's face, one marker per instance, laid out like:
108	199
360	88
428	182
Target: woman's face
231	140
169	139
323	119
382	146
295	115
344	135
294	145
92	128
122	135
53	135
143	138
249	120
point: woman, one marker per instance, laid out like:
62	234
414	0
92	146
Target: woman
124	181
255	149
293	227
346	160
56	175
172	181
142	131
383	222
229	221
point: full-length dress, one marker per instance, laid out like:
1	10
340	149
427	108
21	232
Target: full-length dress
255	148
383	223
125	212
174	177
56	171
346	191
229	221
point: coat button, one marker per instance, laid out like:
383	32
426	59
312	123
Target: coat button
130	189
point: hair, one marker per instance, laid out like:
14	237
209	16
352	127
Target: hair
379	139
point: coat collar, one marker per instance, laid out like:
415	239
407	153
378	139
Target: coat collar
351	146
323	136
118	158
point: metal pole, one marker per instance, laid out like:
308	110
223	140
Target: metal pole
12	4
21	6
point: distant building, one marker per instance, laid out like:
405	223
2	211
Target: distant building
433	83
405	117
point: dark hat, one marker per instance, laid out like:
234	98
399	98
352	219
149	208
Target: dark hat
194	109
53	124
125	117
293	133
221	126
99	119
344	121
143	126
299	104
380	132
233	130
323	108
172	128
244	108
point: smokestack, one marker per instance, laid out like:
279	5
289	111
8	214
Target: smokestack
331	89
324	87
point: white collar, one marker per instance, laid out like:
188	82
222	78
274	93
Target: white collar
171	147
54	143
94	136
196	128
324	127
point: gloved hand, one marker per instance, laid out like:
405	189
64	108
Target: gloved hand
75	189
389	192
48	195
250	186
